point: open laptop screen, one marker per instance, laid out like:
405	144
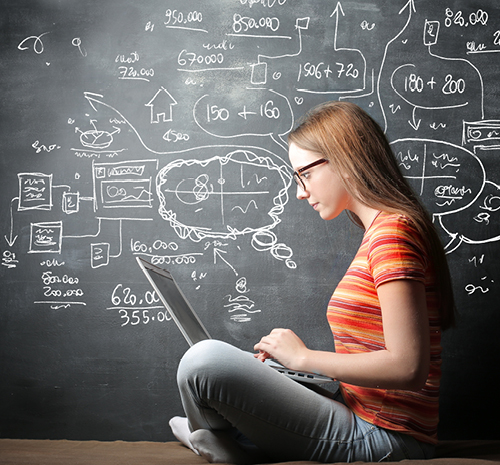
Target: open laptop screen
175	302
189	323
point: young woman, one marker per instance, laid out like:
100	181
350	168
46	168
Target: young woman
386	316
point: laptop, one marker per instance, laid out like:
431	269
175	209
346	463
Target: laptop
190	324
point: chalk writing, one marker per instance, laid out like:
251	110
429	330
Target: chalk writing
178	142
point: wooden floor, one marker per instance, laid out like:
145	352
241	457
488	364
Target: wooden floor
47	452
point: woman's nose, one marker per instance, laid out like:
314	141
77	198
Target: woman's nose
301	192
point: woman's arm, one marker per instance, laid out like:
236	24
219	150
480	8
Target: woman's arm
404	364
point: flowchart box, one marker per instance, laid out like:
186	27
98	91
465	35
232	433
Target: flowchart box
46	237
35	191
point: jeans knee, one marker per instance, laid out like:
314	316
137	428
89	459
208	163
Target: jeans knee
202	359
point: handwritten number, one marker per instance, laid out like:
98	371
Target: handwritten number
125	315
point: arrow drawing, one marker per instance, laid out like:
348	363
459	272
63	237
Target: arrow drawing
11	240
217	253
414	124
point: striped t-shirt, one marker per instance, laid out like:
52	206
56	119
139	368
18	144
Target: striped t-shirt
391	249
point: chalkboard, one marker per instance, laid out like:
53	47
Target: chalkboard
158	129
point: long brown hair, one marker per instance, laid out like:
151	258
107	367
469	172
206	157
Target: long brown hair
356	146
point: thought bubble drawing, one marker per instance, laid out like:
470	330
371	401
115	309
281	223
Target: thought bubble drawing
223	197
452	183
448	177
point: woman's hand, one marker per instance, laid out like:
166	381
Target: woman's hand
402	364
283	345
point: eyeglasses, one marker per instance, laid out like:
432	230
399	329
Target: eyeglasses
298	177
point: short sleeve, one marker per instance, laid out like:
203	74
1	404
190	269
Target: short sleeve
395	252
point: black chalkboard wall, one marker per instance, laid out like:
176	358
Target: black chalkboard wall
158	129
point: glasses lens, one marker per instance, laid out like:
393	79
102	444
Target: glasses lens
297	174
298	180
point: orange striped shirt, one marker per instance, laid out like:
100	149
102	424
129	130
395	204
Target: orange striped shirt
391	249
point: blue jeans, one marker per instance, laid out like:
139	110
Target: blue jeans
224	388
